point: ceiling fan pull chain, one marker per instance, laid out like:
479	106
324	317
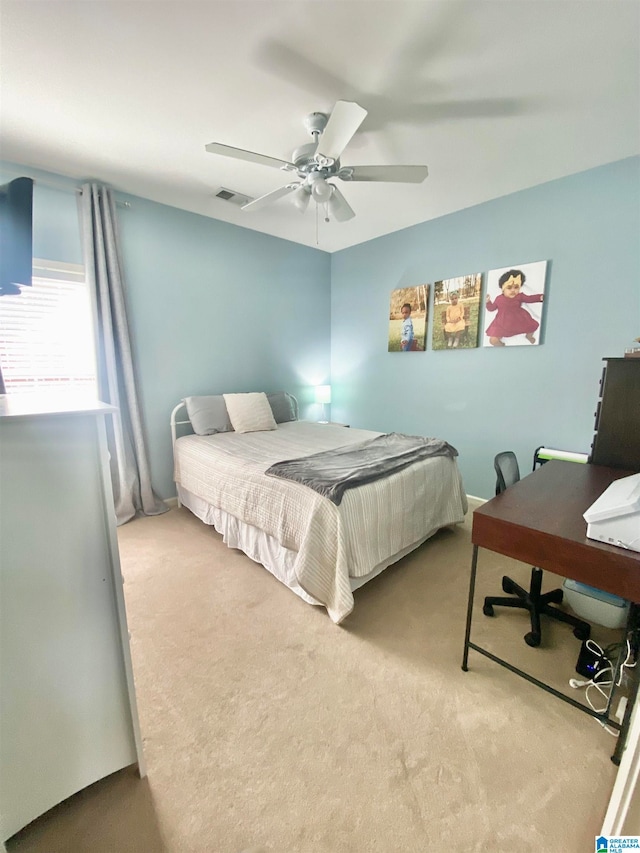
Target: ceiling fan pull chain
326	211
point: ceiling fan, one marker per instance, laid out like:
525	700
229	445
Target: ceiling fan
315	163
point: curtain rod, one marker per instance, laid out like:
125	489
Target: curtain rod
66	188
118	203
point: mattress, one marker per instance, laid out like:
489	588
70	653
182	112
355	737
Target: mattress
332	545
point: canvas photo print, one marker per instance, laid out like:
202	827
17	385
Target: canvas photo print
456	312
514	305
408	311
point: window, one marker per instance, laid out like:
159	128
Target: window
46	332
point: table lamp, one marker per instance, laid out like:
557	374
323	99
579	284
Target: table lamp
323	396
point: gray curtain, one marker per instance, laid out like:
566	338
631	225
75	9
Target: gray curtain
133	493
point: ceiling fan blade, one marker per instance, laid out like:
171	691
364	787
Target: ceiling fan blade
399	174
339	206
267	199
345	119
251	156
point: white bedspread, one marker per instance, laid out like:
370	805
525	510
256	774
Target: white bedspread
372	523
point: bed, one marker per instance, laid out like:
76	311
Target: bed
322	551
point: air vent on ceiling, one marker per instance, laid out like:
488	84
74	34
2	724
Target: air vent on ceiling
232	197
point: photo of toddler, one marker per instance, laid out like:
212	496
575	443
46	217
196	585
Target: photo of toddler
513	306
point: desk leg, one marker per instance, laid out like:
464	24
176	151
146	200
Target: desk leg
633	629
472	588
622	736
622	654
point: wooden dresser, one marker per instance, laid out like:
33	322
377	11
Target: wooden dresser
616	442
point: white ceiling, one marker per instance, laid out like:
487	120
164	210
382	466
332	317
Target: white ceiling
493	95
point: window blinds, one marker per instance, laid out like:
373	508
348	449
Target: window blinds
46	332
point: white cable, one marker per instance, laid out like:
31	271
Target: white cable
598	685
595	648
573	682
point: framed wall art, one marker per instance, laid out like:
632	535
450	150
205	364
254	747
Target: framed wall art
456	312
408	312
514	305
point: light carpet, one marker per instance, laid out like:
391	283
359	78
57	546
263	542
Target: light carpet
267	727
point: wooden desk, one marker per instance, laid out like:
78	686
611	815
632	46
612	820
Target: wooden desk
539	521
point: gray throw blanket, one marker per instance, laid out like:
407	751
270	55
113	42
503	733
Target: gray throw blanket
331	472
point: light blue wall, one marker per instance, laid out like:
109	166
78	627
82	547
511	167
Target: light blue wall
490	399
216	308
212	307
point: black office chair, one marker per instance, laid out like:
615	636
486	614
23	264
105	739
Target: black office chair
533	600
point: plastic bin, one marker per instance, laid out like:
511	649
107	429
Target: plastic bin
594	605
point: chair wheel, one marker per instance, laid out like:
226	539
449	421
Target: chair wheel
532	639
507	586
582	633
488	610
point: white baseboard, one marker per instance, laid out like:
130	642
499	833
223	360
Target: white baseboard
475	502
171	502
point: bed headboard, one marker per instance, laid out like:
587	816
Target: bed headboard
179	411
180	416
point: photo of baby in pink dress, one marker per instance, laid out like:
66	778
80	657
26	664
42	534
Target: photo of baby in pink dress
513	306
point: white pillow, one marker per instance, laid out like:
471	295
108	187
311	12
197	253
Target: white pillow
249	412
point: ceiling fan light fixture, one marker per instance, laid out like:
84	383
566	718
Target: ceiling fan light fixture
301	198
321	191
339	207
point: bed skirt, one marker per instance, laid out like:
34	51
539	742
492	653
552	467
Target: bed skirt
267	551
